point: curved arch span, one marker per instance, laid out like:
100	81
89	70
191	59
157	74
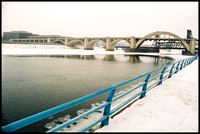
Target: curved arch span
90	45
139	43
58	41
73	43
113	43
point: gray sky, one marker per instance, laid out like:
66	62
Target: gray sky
100	19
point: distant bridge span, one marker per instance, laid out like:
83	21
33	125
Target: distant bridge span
156	35
134	42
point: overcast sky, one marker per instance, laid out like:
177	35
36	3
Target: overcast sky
100	19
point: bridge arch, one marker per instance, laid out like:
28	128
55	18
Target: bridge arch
91	43
58	41
158	33
73	43
110	46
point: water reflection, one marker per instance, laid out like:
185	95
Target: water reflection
73	56
109	57
158	59
88	57
143	58
84	57
134	59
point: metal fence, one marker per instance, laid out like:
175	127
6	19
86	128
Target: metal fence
162	74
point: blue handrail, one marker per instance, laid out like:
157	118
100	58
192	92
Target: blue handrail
104	119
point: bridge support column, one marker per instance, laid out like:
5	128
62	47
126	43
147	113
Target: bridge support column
133	42
86	47
192	46
48	41
108	47
66	41
85	43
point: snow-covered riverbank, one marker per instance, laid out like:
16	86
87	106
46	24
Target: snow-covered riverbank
31	49
170	107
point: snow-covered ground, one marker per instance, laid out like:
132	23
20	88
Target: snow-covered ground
170	107
31	49
21	49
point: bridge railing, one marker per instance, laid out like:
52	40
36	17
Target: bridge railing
160	75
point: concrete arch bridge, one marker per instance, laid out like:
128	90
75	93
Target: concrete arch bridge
134	42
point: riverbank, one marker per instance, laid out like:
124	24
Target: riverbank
170	107
32	49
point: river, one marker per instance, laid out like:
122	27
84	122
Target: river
32	84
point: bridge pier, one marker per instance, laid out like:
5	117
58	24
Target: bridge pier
108	47
66	41
133	42
192	46
48	40
86	46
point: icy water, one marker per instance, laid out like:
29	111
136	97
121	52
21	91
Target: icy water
32	84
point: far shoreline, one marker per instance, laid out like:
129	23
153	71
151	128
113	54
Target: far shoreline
38	49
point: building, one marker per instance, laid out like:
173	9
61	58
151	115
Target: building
17	35
44	36
24	35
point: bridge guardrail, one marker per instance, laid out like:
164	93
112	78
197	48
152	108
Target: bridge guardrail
165	73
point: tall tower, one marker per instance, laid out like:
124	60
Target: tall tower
189	34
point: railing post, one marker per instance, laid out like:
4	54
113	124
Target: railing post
170	73
144	88
177	67
107	108
195	57
185	62
188	61
181	65
161	76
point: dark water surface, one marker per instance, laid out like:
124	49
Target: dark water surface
32	84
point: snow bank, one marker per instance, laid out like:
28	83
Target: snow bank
171	51
19	49
31	49
170	107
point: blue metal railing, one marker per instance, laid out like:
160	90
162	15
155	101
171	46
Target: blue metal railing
104	119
